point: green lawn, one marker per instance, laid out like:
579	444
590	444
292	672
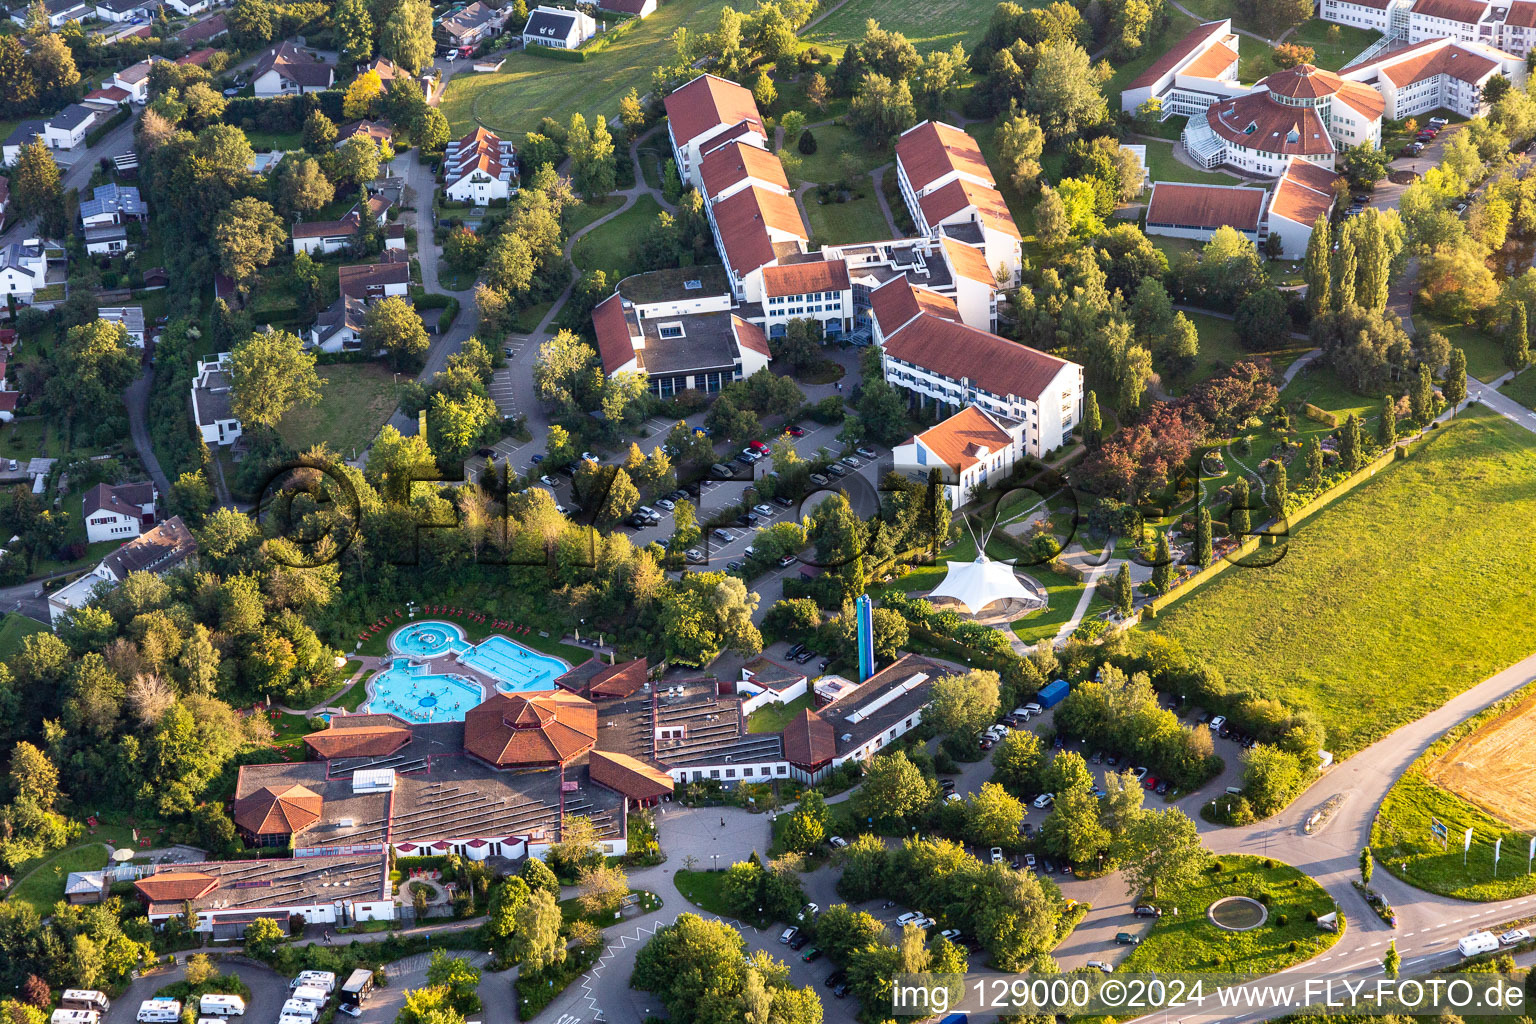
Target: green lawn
587	211
529	87
931	25
271	141
702	889
1219	349
1320	386
14	630
1485	354
840	155
1522	389
1334	49
1400	595
1177	27
528	319
355	400
1188	941
858	220
1164	167
1064	593
774	717
44	886
612	246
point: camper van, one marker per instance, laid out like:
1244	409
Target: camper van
299	1008
75	1017
159	1011
84	999
356	991
1478	942
222	1006
325	981
316	997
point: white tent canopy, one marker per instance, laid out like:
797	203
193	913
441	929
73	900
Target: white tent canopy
982	582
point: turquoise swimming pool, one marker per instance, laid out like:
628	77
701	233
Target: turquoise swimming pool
426	693
419	695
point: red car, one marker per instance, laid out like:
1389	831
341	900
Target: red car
1149	783
796	431
758	446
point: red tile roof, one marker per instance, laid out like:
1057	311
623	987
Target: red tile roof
479	150
960	440
968	262
749	335
933	149
960	195
745	220
1522	14
546	727
176	886
284	811
809	741
619	680
1180	51
1272	124
322	228
955	350
198	57
628	775
803	278
898	301
1212	63
1206	206
737	161
1456	61
1303	193
111	94
367	741
1468	12
706	103
610	322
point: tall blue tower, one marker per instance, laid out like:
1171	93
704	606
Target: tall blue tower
864	611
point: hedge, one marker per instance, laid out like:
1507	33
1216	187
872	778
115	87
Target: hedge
283	113
99	133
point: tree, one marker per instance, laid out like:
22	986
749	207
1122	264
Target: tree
1270	777
1162	848
962	705
1063	92
393	325
1239	522
1017	762
319	133
1162	566
357	160
1093	425
881	109
432	134
354	31
1263	322
536	939
247	236
262	937
1020	144
1455	387
1393	960
1276	493
271	374
1122	588
35	188
1365	165
53	64
302	187
1386	428
1517	341
1317	270
366	91
1288	55
893	788
1312	459
807	826
539	877
764	91
993	816
1367	866
250	23
1073	830
562	372
406	37
1421	397
1052	225
807	144
601	889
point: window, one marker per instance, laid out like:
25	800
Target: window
672	330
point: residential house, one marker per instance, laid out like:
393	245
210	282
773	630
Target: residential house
132	319
705	113
678	340
950	192
205	31
472	25
23	269
480	168
969	448
118	512
1177	210
929	352
211	394
558	28
379	131
22	135
69	127
756	228
158	550
107	99
1198	70
340	328
813	288
326	236
60	12
286	70
125	10
113	204
106	239
1304	193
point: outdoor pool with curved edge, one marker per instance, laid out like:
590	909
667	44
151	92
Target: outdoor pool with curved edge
425	693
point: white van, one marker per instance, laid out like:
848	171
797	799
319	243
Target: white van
299	1008
289	1018
222	1006
84	999
1478	942
323	980
75	1017
159	1011
1045	800
310	994
908	918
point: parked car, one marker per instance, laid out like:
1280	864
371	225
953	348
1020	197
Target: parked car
865	451
836	978
1148	910
784	502
809	911
724	535
747	519
786	560
1098	757
1509	938
758	446
795	431
1029	860
763	510
721	471
997	855
1149	783
850	462
1140	773
837	470
693	555
589	457
838	842
788	935
1044	800
666	503
803	657
1162	787
811	955
800	942
1101	965
819	480
1127	939
733	566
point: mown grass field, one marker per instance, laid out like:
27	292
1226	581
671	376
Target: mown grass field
355	400
14	630
1402	594
858	220
529	87
612	247
44	886
1522	389
1188	941
930	25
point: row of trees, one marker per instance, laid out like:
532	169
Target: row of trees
1121	713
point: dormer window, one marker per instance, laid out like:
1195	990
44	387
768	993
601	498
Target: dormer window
1253	126
1292	137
